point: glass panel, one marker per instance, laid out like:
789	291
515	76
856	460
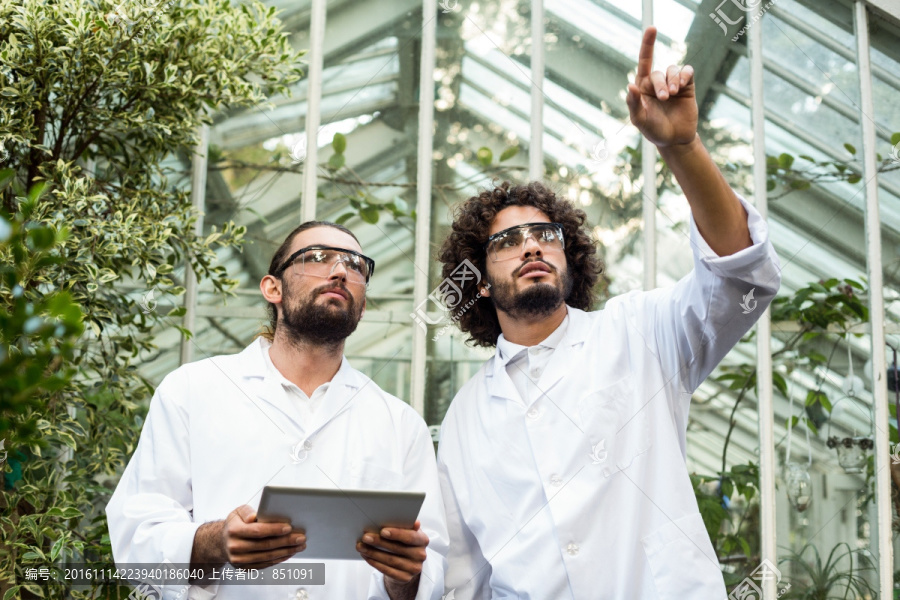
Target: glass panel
482	107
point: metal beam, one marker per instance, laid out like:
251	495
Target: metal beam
198	196
422	262
536	147
876	306
765	392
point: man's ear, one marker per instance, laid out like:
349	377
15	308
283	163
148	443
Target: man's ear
485	290
270	287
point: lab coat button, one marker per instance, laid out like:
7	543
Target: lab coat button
533	413
555	480
572	549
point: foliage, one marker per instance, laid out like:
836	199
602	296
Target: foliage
97	96
38	331
825	310
840	577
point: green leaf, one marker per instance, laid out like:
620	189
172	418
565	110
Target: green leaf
800	184
339	143
56	549
336	161
508	153
850	148
178	311
895	139
854	178
12	592
785	161
6	176
344	218
369	214
485	156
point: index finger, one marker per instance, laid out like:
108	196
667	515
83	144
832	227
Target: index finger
645	57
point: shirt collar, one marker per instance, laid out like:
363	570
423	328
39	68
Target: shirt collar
344	376
507	351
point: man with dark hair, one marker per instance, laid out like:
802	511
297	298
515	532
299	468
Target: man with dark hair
562	461
288	411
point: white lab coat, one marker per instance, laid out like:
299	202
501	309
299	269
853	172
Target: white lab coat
584	494
221	429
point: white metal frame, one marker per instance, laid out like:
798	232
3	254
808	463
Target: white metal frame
765	407
536	149
418	368
313	111
199	162
876	304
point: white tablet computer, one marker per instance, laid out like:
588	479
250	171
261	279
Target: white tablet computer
334	520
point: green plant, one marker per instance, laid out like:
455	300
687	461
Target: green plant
819	309
96	95
838	577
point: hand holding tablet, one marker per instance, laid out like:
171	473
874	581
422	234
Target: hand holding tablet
334	521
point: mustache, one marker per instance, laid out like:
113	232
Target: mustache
329	287
528	262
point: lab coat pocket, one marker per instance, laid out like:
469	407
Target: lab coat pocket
366	475
683	561
617	425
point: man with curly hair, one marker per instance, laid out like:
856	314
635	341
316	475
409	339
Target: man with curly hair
562	461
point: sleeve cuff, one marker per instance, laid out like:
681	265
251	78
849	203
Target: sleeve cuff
741	261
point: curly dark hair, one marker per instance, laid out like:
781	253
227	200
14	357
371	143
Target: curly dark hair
469	233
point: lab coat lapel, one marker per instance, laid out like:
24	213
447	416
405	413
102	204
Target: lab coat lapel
563	361
345	388
499	384
261	388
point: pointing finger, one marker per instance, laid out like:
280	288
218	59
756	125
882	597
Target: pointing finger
645	58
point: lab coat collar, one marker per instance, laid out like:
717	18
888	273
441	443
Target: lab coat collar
506	350
257	381
498	381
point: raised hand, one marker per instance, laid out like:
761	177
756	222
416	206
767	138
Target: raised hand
662	105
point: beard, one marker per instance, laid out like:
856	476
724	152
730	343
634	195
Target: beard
307	322
536	300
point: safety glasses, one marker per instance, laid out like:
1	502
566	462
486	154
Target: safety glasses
508	244
320	261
